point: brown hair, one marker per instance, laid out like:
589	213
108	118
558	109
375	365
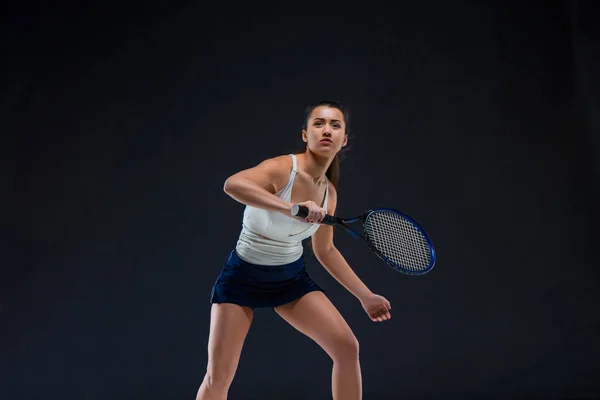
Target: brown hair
333	172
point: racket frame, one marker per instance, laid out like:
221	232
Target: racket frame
300	211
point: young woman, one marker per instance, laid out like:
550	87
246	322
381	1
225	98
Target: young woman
267	268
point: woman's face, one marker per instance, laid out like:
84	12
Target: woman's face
325	131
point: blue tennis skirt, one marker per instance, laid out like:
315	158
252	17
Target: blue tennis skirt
252	285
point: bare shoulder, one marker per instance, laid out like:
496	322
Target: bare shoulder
282	162
271	173
280	168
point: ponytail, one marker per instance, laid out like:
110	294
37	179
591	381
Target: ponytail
333	172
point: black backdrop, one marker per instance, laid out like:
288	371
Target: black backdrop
121	122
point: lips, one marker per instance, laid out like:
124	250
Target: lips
325	141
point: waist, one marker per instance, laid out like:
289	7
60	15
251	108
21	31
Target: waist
278	272
260	250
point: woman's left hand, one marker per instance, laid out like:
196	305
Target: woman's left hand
377	307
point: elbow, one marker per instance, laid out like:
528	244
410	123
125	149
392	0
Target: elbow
229	185
321	253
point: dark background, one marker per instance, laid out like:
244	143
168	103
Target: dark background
121	121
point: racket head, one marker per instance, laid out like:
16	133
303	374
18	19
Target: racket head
399	241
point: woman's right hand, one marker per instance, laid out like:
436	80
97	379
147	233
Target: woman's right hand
315	213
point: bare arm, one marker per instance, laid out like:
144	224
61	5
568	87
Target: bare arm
256	186
331	259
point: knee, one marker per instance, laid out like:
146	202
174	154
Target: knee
218	379
346	348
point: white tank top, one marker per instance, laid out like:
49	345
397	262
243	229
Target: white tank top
271	238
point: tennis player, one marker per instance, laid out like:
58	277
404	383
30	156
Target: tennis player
267	267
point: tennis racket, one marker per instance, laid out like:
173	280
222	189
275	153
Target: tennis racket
392	235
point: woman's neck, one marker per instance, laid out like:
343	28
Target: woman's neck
315	166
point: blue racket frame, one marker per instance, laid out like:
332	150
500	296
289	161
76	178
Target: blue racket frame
335	221
390	262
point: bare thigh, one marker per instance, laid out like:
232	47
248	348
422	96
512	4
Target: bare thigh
229	325
316	317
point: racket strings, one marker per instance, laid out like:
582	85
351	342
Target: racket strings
398	240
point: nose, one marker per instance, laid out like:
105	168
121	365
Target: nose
327	130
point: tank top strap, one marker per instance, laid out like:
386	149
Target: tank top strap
286	191
326	196
295	164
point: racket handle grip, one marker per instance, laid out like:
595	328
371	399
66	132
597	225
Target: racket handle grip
299	211
302	212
